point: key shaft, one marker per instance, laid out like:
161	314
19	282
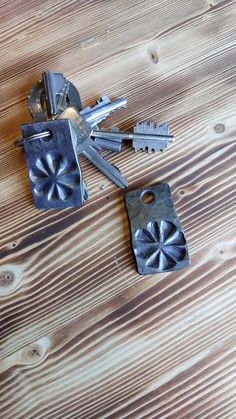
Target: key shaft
103	165
131	136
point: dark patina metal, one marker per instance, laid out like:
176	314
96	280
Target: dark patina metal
54	170
158	239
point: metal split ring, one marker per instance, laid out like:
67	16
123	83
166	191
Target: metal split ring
43	134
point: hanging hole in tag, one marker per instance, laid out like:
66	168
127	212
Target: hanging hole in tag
148	197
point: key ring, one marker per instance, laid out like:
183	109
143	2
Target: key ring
51	96
40	135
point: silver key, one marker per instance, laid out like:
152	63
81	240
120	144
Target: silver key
98	113
101	110
112	143
146	135
149	129
86	146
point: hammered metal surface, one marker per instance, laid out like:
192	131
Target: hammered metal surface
158	239
53	166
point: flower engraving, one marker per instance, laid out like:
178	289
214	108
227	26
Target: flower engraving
54	177
160	245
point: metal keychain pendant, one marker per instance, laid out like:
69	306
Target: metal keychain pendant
54	170
158	239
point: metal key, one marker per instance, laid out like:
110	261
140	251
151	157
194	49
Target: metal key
101	110
113	143
151	128
86	146
146	135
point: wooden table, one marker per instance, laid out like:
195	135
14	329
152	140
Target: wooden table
82	334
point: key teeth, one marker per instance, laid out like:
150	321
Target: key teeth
150	127
104	100
164	129
151	149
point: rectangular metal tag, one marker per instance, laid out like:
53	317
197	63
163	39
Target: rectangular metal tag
54	171
158	239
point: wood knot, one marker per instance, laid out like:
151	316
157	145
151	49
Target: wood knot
153	55
6	278
35	352
219	128
10	277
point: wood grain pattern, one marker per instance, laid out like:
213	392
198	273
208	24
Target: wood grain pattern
82	335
